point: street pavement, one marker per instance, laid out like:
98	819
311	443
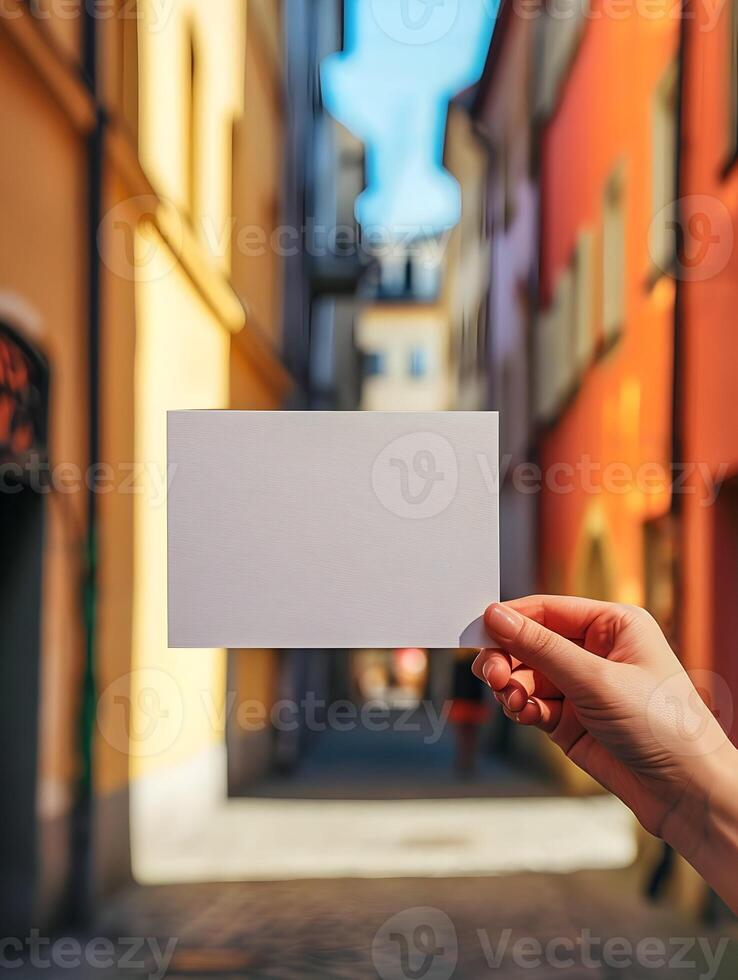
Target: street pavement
383	804
390	804
586	925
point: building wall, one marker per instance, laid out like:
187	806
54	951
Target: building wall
504	113
613	404
467	260
199	344
707	407
116	528
604	337
62	26
258	175
709	288
389	336
44	300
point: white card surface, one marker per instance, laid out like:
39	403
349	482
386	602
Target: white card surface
331	529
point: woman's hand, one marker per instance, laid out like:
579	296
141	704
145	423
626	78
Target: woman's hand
603	683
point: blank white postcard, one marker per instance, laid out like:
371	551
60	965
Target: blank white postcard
331	529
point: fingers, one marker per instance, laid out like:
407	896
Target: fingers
569	616
494	667
509	679
563	662
540	713
523	684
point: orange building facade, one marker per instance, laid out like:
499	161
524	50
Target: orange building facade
635	340
604	336
708	349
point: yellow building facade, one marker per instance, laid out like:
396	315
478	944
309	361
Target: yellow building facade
206	320
124	273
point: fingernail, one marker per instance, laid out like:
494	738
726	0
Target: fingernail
486	671
537	706
514	699
502	622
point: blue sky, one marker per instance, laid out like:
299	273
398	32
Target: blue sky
403	61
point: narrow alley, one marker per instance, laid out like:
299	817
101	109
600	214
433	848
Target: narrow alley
513	222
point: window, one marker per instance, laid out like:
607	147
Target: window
374	364
613	256
470	329
23	397
545	391
662	237
482	335
733	82
508	184
419	362
563	27
563	364
583	300
659	569
556	374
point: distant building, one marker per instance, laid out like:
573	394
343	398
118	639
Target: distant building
324	177
405	357
504	115
335	263
403	331
466	267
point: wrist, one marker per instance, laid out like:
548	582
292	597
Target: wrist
703	827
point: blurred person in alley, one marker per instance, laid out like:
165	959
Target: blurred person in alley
469	711
602	682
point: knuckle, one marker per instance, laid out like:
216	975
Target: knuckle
638	614
630	609
538	640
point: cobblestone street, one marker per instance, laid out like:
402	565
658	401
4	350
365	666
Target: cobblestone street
403	928
354	929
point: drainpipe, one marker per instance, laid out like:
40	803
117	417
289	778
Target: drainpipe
82	838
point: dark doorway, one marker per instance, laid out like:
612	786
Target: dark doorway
725	618
23	410
21	539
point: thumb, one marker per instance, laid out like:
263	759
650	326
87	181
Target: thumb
563	662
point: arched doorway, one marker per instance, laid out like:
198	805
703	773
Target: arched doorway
596	577
595	566
24	381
